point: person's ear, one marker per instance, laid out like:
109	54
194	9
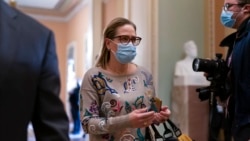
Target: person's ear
107	42
246	8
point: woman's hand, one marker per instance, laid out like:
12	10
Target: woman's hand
162	116
141	118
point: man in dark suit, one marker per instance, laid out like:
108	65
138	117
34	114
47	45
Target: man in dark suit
29	80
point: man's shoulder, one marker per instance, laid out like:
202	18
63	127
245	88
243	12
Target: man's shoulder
22	20
16	14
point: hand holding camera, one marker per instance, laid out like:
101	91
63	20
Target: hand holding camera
216	72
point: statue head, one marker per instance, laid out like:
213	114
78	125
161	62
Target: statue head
190	49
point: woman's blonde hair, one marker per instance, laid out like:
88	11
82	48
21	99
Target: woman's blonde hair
110	32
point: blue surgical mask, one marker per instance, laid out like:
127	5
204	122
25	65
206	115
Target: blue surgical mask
226	18
125	53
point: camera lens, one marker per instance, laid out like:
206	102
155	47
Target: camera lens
205	65
196	63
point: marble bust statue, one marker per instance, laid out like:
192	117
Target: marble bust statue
183	68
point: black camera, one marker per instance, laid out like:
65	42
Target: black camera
216	72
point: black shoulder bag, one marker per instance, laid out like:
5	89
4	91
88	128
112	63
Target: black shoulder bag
173	134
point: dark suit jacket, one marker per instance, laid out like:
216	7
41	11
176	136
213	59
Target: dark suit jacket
29	80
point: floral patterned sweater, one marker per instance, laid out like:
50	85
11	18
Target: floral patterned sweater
106	100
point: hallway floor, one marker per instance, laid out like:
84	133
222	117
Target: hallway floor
78	137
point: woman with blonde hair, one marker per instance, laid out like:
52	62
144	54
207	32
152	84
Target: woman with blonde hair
116	95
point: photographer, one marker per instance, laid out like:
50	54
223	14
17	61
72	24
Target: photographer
236	14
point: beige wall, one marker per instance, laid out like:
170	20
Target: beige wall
214	29
108	13
66	33
77	29
60	32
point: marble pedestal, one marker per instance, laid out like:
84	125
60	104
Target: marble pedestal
189	113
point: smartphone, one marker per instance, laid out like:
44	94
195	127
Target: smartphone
156	104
